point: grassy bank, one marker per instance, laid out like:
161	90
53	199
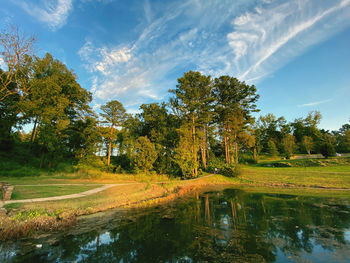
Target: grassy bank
26	218
147	190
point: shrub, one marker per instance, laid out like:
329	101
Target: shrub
215	162
247	158
327	149
231	170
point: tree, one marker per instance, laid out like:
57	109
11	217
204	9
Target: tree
183	153
8	119
16	50
308	144
327	145
288	143
271	148
347	141
235	101
56	100
146	154
307	127
343	138
161	128
193	103
113	114
83	138
271	128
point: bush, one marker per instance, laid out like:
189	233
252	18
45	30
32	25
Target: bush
215	162
246	158
89	162
327	150
231	170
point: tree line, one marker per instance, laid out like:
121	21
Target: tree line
207	123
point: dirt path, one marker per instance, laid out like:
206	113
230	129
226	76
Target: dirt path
82	194
62	197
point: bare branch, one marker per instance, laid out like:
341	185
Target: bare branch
15	47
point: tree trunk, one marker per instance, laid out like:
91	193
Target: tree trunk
227	152
203	150
34	130
110	147
236	152
194	148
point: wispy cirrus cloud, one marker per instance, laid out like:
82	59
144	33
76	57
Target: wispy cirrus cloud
314	103
289	27
52	12
214	37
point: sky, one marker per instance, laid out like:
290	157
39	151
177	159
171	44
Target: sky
296	52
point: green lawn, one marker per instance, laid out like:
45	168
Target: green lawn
27	192
332	177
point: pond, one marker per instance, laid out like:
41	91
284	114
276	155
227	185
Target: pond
227	225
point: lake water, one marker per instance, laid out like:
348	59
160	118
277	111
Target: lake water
229	225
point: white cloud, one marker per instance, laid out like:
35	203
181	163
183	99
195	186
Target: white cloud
52	12
213	37
103	59
315	103
259	37
111	58
148	11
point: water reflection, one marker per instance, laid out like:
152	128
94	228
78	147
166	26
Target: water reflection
226	226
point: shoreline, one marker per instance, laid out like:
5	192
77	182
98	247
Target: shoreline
148	195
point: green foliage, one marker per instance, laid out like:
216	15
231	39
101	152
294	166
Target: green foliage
271	148
30	214
90	162
308	144
184	156
114	114
210	120
230	170
215	162
247	158
327	145
270	128
235	101
327	149
193	104
145	154
288	144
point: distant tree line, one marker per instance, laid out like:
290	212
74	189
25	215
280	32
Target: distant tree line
207	123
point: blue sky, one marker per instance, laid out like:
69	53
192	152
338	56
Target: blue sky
295	52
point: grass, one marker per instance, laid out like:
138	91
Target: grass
152	189
314	162
324	177
28	192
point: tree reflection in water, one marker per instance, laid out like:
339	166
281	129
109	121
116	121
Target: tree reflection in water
226	226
